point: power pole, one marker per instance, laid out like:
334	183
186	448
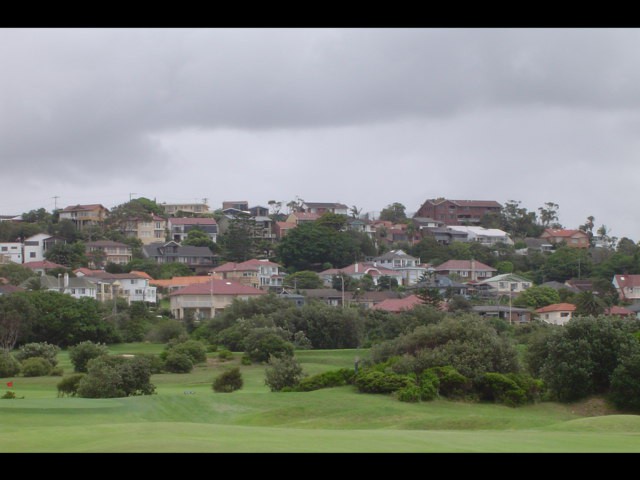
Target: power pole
55	202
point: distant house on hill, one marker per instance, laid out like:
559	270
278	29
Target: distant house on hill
84	215
557	313
468	270
457	212
573	238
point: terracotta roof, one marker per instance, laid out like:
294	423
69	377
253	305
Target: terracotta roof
464	265
141	274
7	289
286	225
180	281
306	215
46	264
627	281
621	311
251	265
557	307
396	305
192	221
364	267
562	232
218	287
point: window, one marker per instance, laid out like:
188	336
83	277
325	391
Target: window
503	285
526	284
32	254
5	249
564	314
81	291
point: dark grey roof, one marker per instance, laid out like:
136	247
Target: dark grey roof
322	292
394	254
559	286
160	250
498	308
51	282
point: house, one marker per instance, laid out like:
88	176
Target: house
84	215
457	212
131	286
579	284
359	270
179	227
206	300
467	270
34	247
176	283
362	226
484	236
397	305
368	299
42	266
77	287
198	259
445	285
628	287
301	217
241	205
445	235
193	208
330	296
322	208
619	312
425	222
280	229
102	252
256	273
150	230
510	314
11	252
401	262
560	286
573	238
259	211
507	284
295	298
538	245
557	313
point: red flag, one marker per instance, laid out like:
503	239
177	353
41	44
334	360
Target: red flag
9	384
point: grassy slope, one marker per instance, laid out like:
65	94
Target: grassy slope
256	420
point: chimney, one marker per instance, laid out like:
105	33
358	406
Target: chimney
66	280
356	267
473	269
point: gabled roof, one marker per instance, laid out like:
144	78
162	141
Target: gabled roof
192	221
363	268
218	287
102	275
396	305
553	232
621	311
51	282
325	205
464	265
44	264
180	281
395	254
466	203
557	307
106	243
249	265
77	208
626	281
506	277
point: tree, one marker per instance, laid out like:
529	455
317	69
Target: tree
430	296
263	343
304	279
625	384
394	212
228	381
199	238
355	211
285	372
112	377
385	282
16	273
537	296
588	228
549	215
16	314
71	255
566	263
237	242
518	221
588	304
333	220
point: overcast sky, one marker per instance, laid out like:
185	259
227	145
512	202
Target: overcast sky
366	117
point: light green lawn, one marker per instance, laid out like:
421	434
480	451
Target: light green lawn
187	416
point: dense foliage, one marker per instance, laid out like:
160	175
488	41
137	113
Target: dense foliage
283	373
114	376
228	381
83	352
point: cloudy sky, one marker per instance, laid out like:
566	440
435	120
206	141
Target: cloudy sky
366	117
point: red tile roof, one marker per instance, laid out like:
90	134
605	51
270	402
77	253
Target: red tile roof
627	281
464	265
557	307
249	265
306	215
365	267
218	287
563	233
180	281
192	221
621	311
45	264
396	305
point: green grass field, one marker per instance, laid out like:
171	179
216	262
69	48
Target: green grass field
187	416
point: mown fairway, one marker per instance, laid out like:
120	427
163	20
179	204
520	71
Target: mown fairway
187	416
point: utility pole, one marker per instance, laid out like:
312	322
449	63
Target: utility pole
55	202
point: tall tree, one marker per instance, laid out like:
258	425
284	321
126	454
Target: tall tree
394	212
238	243
549	215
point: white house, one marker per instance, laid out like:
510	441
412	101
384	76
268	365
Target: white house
485	236
400	261
77	287
11	252
507	283
34	247
556	314
131	286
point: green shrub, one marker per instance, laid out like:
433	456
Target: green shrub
224	355
156	364
451	383
69	385
35	367
43	350
9	395
332	378
165	330
177	362
261	343
429	384
81	353
194	349
285	372
374	381
625	384
499	388
410	393
116	376
9	366
56	372
245	360
228	381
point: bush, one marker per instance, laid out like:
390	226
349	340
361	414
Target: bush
111	376
85	351
36	367
56	372
194	349
451	383
333	378
224	355
410	393
9	395
501	389
177	362
261	343
285	372
156	364
625	384
429	384
228	381
69	385
9	366
374	381
165	330
43	350
245	360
